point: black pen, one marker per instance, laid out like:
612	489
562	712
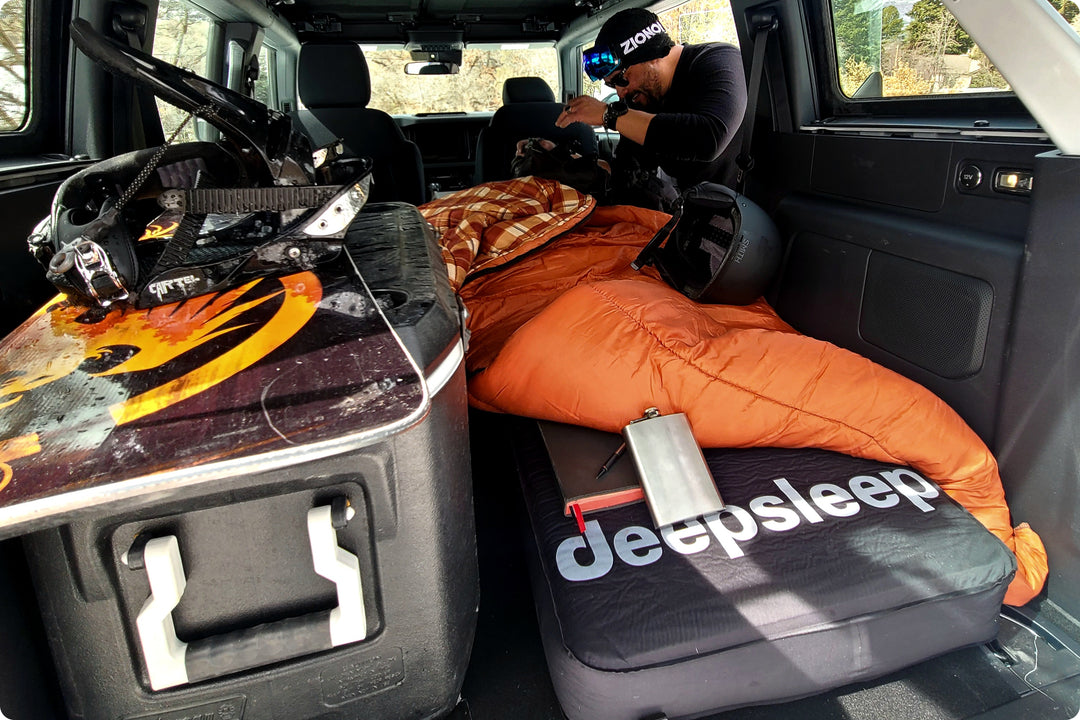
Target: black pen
610	462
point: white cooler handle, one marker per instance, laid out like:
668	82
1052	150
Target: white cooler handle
171	662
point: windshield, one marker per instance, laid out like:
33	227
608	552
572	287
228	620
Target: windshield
476	88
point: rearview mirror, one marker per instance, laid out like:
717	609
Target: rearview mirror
431	68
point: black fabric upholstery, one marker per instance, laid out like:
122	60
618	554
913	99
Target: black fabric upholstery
335	88
526	89
518	120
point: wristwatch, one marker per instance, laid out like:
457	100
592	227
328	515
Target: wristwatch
614	111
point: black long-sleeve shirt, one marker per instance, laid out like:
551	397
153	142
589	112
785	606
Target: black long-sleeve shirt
697	119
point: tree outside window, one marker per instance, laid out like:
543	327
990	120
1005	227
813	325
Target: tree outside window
180	38
13	93
477	87
912	48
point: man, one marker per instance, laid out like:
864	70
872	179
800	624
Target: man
679	106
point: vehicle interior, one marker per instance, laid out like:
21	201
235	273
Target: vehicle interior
926	206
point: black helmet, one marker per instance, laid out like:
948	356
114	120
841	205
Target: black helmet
164	224
723	248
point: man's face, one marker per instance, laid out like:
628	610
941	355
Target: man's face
643	90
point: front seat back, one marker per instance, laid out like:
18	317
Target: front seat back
335	88
529	110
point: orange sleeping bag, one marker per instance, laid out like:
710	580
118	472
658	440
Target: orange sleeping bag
567	331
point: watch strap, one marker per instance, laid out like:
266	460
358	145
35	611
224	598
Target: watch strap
614	111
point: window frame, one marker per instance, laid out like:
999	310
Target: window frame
40	132
960	109
578	45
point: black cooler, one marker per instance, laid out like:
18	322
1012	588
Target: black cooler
256	504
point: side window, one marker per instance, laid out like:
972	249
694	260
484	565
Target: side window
701	21
906	49
181	38
13	78
697	21
236	73
266	84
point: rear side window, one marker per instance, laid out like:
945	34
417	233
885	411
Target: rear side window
13	76
701	21
693	22
912	49
266	83
181	38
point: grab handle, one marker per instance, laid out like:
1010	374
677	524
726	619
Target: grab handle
171	662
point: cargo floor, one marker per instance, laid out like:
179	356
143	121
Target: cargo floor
1030	675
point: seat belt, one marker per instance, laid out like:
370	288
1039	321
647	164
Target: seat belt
763	24
130	101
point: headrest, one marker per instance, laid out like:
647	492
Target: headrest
333	75
526	89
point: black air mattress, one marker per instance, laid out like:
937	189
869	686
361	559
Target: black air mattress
824	570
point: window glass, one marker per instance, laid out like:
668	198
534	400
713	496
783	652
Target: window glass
181	38
265	86
692	22
477	87
701	21
912	48
13	94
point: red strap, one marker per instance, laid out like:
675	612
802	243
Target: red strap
579	517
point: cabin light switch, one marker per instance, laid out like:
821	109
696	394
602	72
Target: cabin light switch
1014	182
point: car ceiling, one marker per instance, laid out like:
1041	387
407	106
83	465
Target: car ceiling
478	20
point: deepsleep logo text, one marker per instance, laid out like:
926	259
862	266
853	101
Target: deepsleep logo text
638	546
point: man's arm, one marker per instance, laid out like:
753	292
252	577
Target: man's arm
633	125
703	111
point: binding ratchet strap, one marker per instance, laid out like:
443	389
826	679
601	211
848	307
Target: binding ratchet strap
648	253
211	201
155	160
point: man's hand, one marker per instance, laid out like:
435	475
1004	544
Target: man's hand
633	125
584	109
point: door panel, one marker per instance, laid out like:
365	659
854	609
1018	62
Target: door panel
1039	429
887	258
25	197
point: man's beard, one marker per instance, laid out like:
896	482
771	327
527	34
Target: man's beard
647	95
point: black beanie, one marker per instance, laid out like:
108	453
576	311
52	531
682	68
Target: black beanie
635	35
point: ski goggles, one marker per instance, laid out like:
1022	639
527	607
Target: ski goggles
600	62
